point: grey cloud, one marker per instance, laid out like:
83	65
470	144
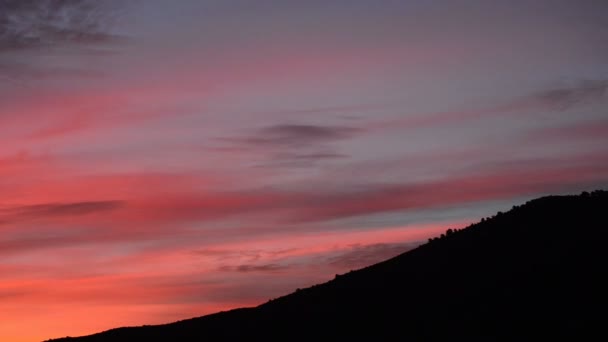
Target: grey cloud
225	254
29	27
19	244
22	241
246	268
565	97
253	255
491	181
296	134
551	98
59	209
295	145
364	255
42	23
250	287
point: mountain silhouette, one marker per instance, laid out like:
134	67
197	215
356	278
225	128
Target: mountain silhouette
536	272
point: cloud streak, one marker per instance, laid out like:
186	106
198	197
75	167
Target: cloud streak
295	145
359	256
174	158
551	99
566	97
63	209
254	268
300	134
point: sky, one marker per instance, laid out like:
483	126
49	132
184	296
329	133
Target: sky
161	160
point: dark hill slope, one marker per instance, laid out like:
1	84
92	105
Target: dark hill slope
535	272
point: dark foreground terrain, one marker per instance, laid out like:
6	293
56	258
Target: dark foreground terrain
535	272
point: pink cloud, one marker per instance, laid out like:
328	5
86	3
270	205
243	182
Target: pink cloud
155	286
118	210
589	131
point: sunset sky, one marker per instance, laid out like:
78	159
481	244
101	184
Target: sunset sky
161	160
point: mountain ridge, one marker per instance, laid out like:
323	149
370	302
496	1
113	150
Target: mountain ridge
535	270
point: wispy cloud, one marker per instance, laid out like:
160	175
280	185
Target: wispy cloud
31	27
26	24
160	162
58	209
550	99
566	97
295	145
490	181
364	255
246	268
317	203
295	135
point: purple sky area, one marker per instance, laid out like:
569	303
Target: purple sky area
167	159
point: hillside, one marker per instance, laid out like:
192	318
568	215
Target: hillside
534	272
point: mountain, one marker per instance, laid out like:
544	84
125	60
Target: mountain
536	272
